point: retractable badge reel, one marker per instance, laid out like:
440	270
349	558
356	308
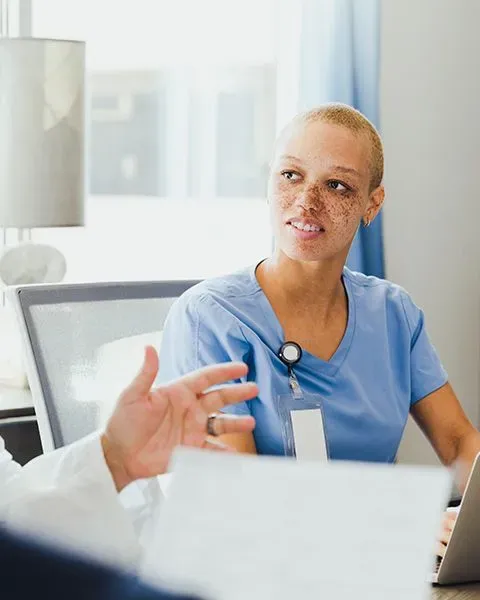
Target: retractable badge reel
290	354
301	416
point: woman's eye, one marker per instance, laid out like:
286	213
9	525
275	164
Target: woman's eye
290	175
337	185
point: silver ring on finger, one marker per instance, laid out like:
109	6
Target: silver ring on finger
211	429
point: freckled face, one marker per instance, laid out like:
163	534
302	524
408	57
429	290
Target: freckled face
319	190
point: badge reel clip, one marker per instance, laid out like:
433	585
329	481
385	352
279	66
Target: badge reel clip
290	354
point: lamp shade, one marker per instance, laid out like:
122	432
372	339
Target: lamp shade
42	125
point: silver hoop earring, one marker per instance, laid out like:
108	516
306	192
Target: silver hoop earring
366	222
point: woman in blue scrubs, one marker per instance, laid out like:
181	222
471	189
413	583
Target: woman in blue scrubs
367	359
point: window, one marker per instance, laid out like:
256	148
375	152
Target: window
182	114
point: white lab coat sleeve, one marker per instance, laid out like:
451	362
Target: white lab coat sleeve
68	497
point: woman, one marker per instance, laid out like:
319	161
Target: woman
367	359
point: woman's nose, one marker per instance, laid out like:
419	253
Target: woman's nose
310	199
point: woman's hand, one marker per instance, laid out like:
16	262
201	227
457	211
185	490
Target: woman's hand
449	518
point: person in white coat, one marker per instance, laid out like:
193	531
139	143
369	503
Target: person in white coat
74	495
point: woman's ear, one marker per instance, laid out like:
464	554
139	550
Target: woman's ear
375	203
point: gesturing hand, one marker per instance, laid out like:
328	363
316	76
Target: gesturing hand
147	424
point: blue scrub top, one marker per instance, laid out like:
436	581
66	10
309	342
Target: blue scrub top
384	364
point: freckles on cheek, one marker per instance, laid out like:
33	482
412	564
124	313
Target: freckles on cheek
343	214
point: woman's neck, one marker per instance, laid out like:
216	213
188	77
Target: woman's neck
303	284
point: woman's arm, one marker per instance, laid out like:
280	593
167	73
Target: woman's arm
241	442
199	332
442	419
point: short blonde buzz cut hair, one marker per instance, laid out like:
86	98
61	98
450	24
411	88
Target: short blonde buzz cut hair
344	115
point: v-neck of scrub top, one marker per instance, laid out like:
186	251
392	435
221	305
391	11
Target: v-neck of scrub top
311	361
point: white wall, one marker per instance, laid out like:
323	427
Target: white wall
430	105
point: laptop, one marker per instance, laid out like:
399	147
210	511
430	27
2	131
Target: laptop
461	562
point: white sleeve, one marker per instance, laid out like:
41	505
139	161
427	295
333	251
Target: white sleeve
69	497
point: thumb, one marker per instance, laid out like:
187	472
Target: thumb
146	376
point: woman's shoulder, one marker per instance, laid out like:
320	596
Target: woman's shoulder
379	292
233	288
374	285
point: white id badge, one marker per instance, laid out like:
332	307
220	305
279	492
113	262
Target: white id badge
303	427
309	434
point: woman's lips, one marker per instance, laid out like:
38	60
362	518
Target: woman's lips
305	229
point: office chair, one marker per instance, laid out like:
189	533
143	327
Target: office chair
84	343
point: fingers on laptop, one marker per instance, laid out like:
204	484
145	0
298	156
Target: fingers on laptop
446	531
440	551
